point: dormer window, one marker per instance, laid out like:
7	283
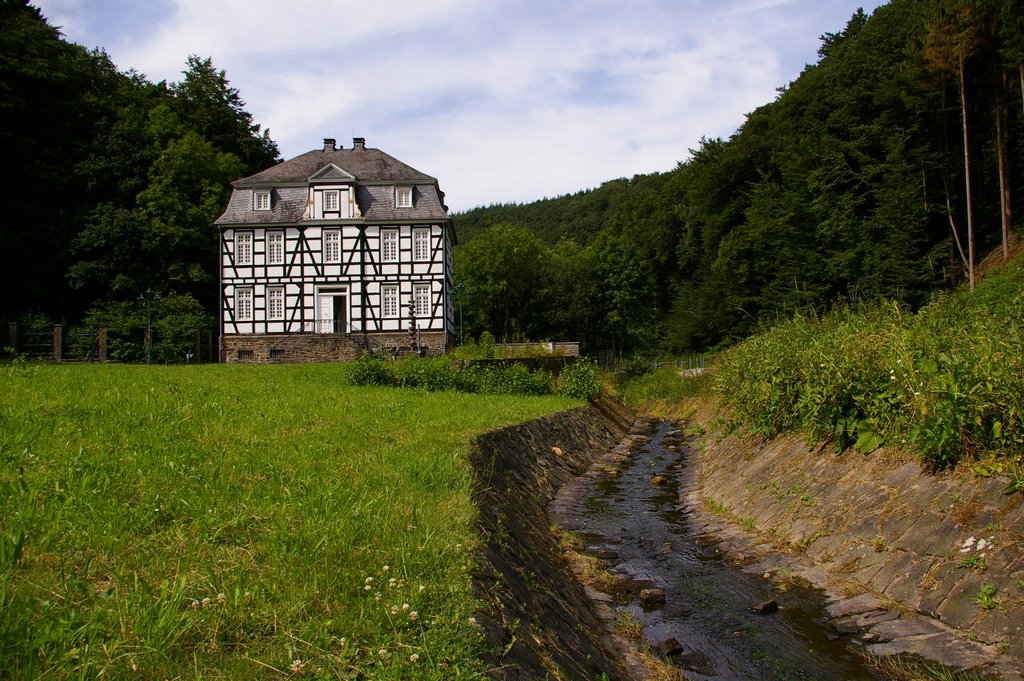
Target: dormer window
261	199
331	203
403	197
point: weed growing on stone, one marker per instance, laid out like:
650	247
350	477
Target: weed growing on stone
223	521
629	627
986	597
1016	482
717	507
908	668
973	563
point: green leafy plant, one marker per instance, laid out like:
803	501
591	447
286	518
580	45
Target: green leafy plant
973	563
1016	482
580	380
986	597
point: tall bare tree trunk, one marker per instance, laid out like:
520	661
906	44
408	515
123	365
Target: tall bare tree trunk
967	170
1004	180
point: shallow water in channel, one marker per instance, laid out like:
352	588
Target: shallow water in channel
654	539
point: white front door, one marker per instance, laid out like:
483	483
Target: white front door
332	312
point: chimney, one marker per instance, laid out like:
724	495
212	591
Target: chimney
328	144
359	143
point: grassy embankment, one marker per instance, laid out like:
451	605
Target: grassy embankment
946	382
233	522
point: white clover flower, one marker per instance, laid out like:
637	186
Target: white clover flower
367	588
382	653
368	580
413	658
405	606
414	615
386	568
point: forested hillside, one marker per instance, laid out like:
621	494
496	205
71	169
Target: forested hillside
113	182
881	172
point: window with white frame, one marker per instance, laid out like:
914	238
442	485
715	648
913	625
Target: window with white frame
331	202
243	248
275	248
261	199
332	245
389	301
403	197
421	244
243	304
389	245
421	299
275	303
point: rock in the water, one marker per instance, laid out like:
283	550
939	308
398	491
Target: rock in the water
606	554
670	646
767	608
695	661
846	625
651	597
659	480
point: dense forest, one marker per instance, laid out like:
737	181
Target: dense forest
887	169
113	181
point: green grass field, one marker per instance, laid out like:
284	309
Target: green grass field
237	522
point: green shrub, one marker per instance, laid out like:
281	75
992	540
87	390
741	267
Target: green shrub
947	382
665	383
175	320
580	380
515	379
368	370
426	373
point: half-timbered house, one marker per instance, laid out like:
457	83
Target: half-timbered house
333	252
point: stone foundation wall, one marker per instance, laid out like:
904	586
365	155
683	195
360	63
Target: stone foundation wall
308	348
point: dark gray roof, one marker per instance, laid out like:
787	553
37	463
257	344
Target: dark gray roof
374	174
366	165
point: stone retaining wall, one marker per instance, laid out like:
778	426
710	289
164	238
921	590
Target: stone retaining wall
930	543
539	623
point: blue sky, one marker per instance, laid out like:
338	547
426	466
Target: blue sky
501	100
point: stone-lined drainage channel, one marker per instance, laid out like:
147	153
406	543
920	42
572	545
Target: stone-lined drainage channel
717	620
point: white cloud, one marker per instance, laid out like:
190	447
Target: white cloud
509	100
